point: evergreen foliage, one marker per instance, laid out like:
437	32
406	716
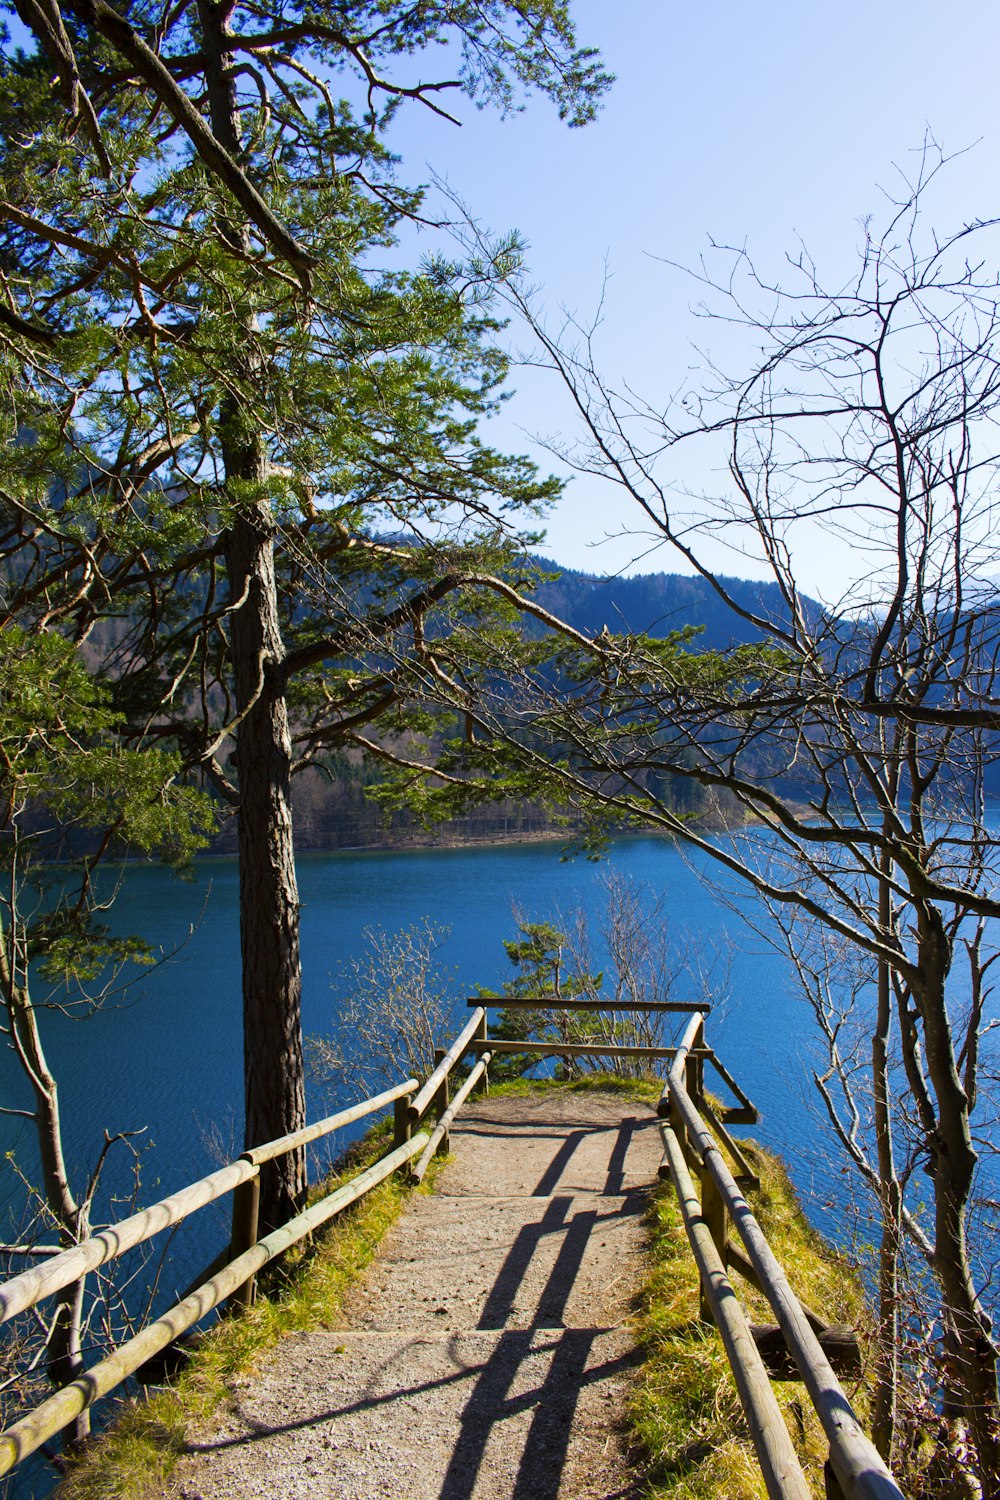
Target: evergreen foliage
217	397
543	971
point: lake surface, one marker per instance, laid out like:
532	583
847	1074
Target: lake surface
166	1059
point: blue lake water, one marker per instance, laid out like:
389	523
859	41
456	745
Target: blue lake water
166	1059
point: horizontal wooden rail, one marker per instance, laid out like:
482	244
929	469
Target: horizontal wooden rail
31	1286
459	1047
779	1464
574	1049
52	1415
687	1045
286	1143
546	1002
854	1459
447	1119
231	1273
62	1270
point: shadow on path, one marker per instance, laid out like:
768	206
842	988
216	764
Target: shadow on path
553	1404
544	1454
534	1374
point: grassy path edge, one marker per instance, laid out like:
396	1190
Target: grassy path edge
133	1458
685	1414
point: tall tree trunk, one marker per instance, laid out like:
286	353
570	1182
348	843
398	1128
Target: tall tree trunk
274	1086
274	1080
970	1353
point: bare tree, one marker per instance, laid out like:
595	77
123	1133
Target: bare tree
851	744
394	1006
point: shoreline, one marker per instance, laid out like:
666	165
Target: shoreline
448	843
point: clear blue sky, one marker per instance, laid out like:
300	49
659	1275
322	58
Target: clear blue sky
760	124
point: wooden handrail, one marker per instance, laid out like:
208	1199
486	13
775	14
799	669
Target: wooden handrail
748	1177
52	1415
286	1143
779	1464
459	1047
25	1290
546	1002
62	1270
688	1038
730	1082
859	1468
231	1279
578	1049
447	1119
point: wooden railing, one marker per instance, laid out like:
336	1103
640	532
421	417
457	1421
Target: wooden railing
694	1138
800	1345
231	1277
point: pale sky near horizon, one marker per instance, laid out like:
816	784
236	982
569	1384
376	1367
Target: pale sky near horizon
765	125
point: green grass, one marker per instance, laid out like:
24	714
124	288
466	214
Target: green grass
684	1410
647	1089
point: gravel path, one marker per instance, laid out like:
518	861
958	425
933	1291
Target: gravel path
487	1352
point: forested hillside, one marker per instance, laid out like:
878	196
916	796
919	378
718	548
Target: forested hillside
334	808
658	603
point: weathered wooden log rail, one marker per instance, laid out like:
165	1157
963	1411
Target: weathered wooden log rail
854	1470
230	1277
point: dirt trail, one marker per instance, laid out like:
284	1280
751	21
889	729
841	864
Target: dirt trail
487	1352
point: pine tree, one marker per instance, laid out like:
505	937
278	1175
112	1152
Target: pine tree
230	431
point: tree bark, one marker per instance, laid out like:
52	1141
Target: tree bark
274	1079
970	1353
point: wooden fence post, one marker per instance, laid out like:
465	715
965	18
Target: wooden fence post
713	1211
483	1087
246	1206
678	1127
694	1070
441	1099
401	1127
